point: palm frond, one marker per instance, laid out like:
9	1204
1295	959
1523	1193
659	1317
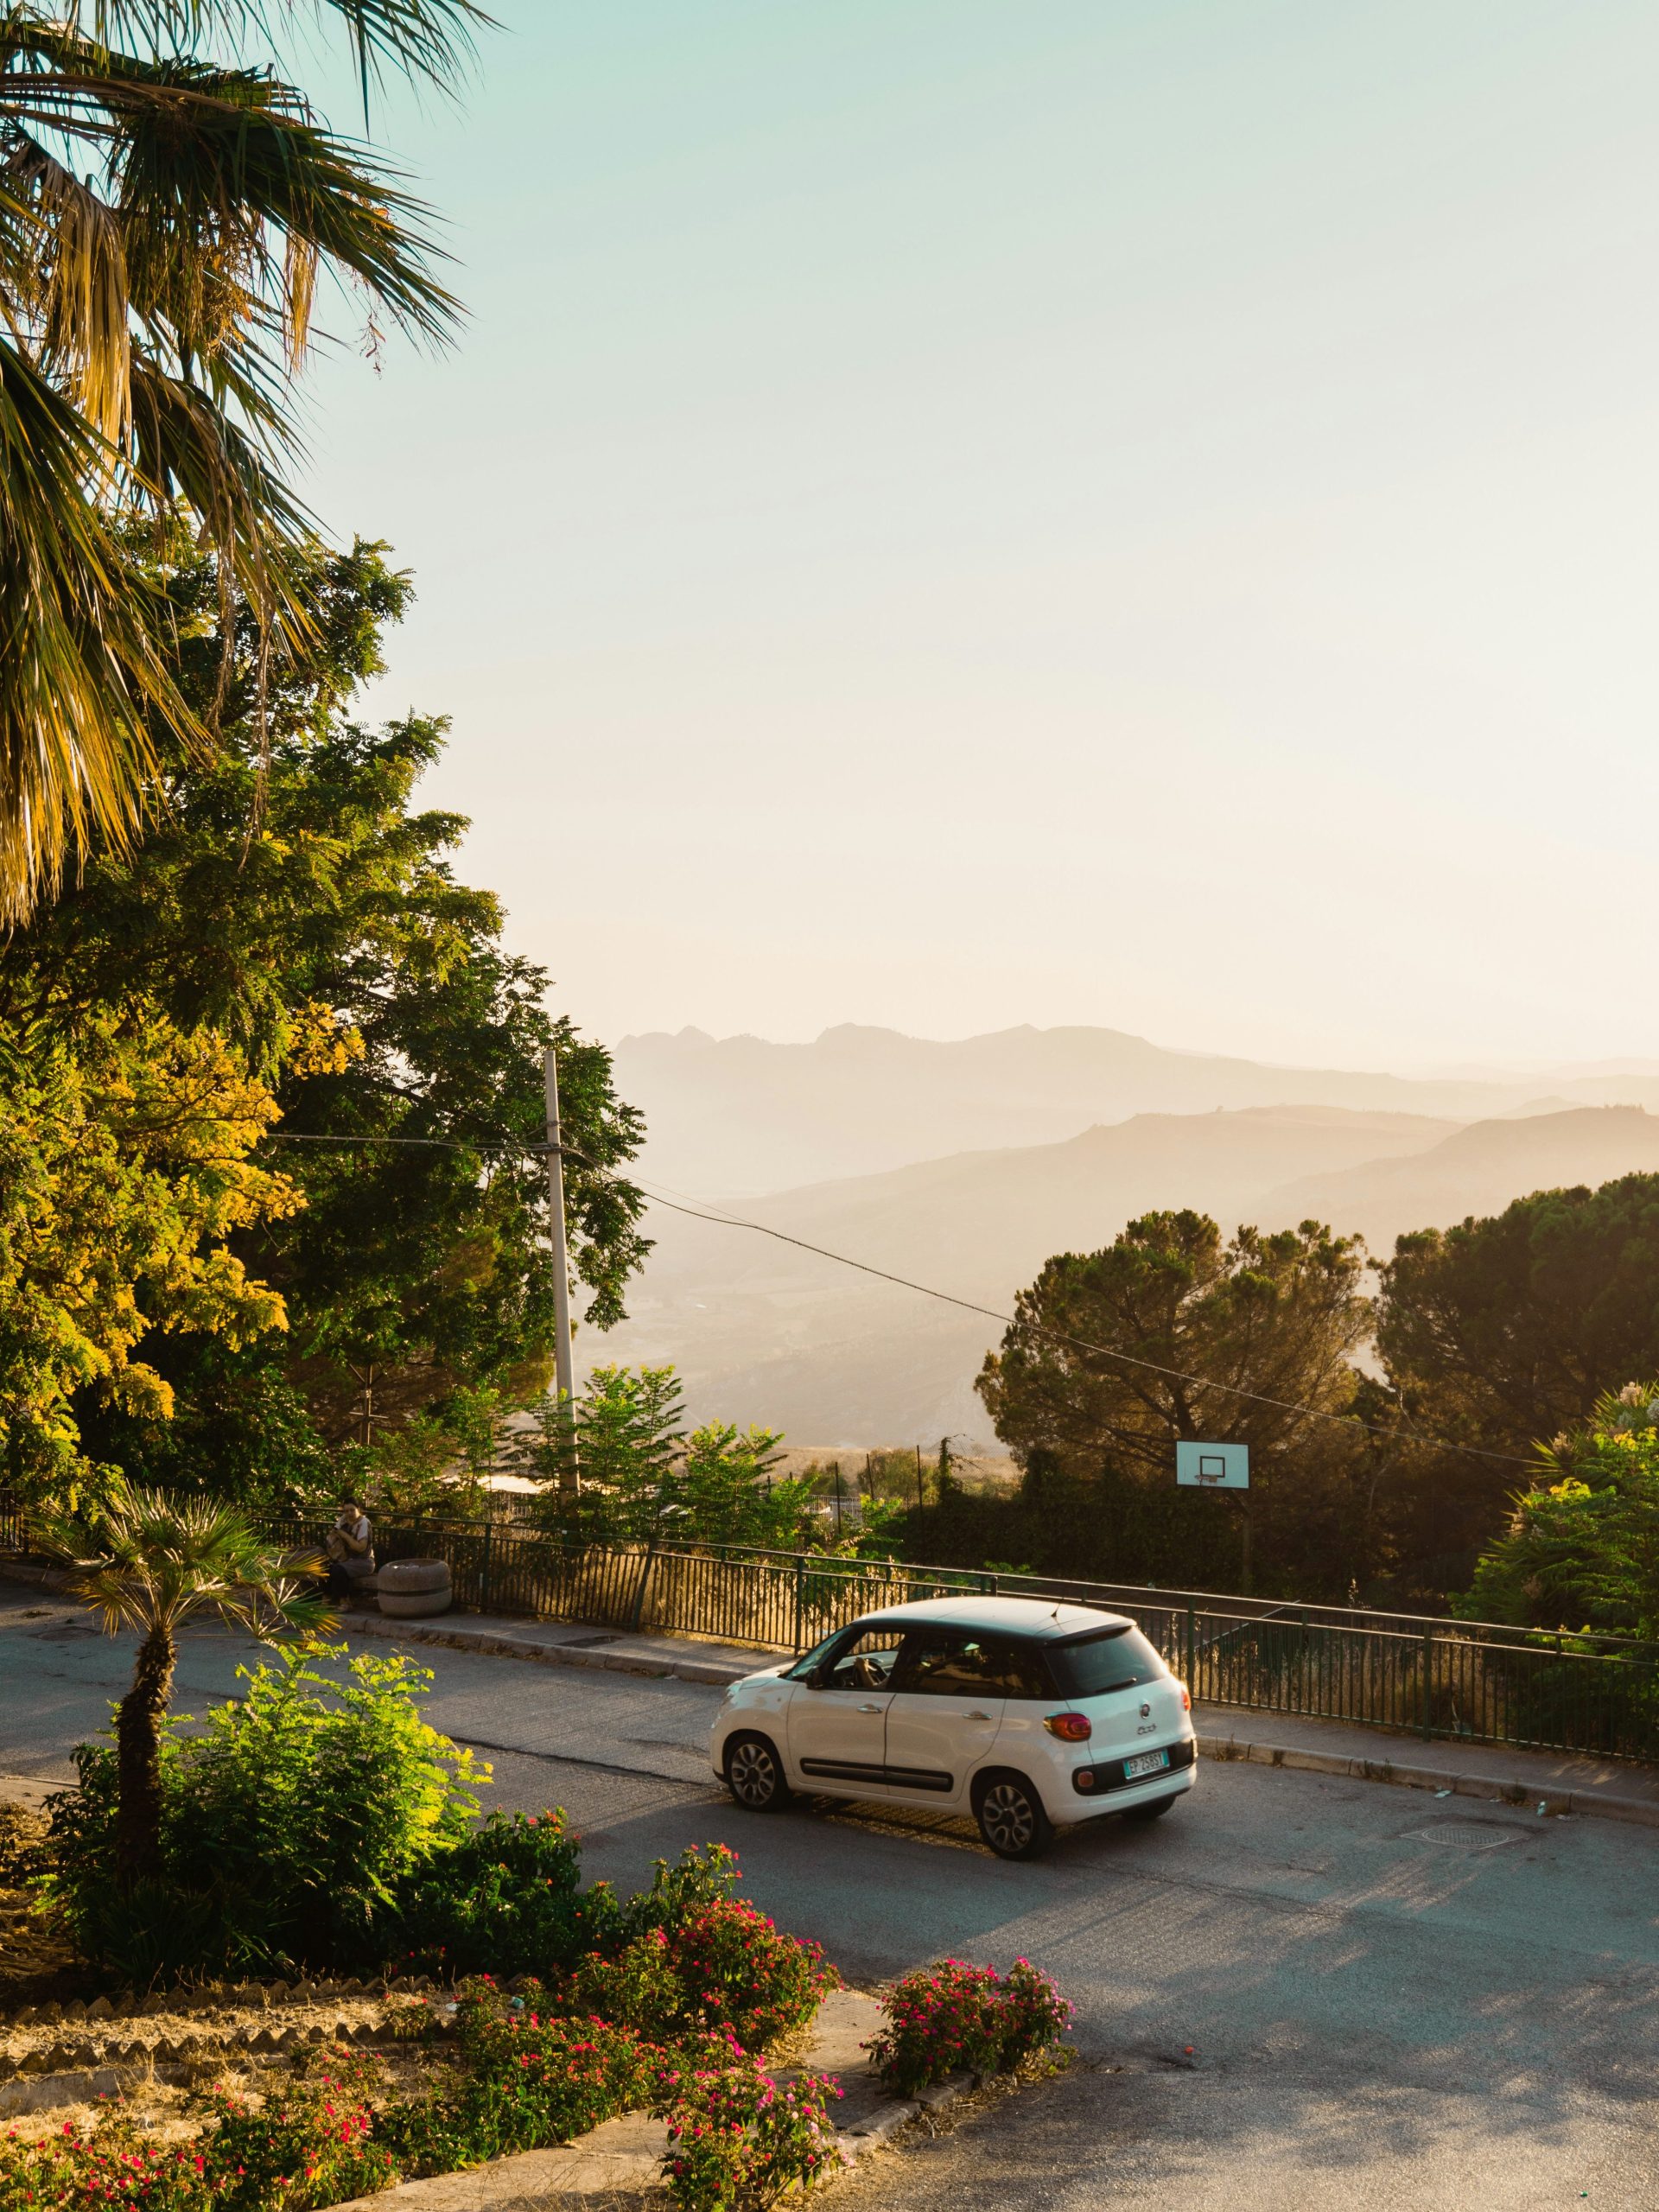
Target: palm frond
144	1560
78	264
79	674
428	40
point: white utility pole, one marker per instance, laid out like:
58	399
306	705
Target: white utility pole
563	1373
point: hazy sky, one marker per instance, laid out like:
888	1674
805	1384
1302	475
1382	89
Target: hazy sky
951	514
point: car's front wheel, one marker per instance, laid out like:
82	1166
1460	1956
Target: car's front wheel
1011	1816
754	1774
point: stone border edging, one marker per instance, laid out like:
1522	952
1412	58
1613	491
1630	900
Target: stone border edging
534	2177
1640	1810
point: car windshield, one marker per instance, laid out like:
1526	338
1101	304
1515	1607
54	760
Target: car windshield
1115	1659
805	1665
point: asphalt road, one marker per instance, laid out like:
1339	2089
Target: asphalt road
1382	2013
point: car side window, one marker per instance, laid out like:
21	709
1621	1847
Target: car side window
1020	1672
948	1663
866	1663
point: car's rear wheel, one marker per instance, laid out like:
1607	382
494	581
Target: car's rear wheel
754	1774
1011	1816
1154	1811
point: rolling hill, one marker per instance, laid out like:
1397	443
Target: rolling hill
763	1331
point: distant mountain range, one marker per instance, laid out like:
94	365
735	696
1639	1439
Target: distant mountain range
736	1116
763	1331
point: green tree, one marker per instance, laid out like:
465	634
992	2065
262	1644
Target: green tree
370	991
1581	1549
151	1563
1269	1322
731	1491
612	1453
165	216
127	1174
1505	1330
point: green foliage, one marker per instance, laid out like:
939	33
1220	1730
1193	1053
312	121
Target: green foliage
369	993
506	1900
311	2142
642	1476
530	2079
622	1436
951	2018
290	1821
127	1177
724	1968
1276	1316
1508	1329
738	2140
1582	1546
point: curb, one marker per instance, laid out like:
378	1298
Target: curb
717	1671
1641	1811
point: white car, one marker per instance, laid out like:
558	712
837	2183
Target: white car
1030	1715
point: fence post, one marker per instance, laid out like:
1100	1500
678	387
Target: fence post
639	1593
1428	1686
483	1575
800	1598
1191	1648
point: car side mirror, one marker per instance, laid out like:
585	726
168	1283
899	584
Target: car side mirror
816	1678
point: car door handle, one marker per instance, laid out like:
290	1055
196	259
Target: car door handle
976	1716
869	1708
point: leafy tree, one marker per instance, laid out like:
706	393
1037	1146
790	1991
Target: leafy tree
370	991
164	218
151	1563
1509	1328
623	1466
1582	1546
127	1173
612	1451
1268	1322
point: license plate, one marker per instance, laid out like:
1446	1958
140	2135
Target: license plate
1145	1763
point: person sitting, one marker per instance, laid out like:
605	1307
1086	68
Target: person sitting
350	1546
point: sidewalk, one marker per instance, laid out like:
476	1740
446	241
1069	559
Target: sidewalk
1560	1782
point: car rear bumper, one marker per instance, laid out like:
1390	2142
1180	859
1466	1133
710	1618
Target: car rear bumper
1087	1791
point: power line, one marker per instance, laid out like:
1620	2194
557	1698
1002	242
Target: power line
723	1220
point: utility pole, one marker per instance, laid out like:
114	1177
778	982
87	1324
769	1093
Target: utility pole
563	1375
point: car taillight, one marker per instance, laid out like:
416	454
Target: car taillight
1187	1699
1070	1728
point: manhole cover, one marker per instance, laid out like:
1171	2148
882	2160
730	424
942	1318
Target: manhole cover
1466	1836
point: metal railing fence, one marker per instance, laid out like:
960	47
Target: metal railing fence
1479	1681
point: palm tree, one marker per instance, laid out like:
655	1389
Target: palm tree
164	218
149	1562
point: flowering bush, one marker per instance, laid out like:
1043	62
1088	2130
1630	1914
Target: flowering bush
737	2139
313	2146
102	2167
530	2079
954	2019
725	1966
739	1972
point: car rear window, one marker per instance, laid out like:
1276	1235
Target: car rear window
1116	1659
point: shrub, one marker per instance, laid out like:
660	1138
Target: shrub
700	1875
1034	2015
530	2079
725	1966
313	2145
737	2140
288	1824
952	2018
92	2171
506	1901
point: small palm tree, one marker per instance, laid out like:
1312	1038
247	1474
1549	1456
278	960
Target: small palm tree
149	1562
